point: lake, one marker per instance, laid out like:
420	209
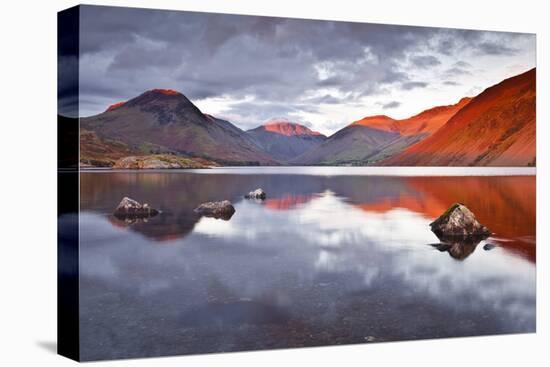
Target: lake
332	256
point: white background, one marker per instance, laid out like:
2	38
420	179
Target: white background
28	182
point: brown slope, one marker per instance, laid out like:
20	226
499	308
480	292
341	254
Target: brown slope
497	128
379	122
428	121
375	138
99	152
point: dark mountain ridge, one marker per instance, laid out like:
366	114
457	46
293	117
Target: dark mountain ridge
165	120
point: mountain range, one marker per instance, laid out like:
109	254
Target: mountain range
374	138
494	128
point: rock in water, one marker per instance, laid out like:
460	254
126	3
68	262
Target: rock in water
216	209
489	246
129	208
458	221
256	194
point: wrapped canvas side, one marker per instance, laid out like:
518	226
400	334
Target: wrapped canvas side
68	185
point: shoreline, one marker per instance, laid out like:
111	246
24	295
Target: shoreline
338	171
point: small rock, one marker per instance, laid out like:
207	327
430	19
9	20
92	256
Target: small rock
129	208
489	246
216	209
256	194
458	221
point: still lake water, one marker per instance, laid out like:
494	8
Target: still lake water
331	257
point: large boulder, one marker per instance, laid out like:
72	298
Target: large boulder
256	194
216	209
129	208
458	221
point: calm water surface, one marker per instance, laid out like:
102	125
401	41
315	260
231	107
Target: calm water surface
327	259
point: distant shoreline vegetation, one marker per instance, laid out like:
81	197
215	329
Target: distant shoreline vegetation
338	171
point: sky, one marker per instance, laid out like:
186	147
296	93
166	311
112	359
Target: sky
322	74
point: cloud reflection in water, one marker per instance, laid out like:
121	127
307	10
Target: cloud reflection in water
331	268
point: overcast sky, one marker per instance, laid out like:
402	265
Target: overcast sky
323	74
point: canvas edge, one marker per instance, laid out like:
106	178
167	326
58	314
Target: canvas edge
68	330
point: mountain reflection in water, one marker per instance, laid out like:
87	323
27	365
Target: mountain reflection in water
323	260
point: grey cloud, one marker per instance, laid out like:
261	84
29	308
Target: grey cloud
332	81
425	61
208	55
494	48
462	64
326	99
394	76
390	105
413	85
253	114
457	42
446	46
451	83
125	51
457	71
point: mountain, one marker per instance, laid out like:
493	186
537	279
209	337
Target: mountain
285	140
496	128
428	121
374	138
351	145
164	120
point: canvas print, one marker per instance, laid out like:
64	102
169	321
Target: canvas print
237	183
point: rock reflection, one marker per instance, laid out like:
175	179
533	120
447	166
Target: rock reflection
504	204
458	247
489	246
458	251
128	220
339	260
